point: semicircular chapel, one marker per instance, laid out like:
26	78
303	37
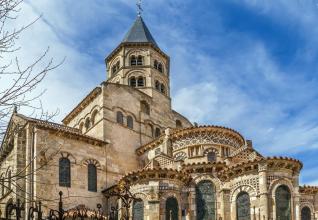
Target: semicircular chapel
124	136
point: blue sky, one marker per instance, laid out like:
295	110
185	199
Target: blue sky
247	64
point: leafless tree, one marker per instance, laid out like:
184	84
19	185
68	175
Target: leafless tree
21	82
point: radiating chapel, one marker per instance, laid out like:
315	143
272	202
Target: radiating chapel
126	132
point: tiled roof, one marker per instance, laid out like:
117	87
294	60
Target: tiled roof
139	33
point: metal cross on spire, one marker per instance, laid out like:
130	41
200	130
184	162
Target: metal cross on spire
139	8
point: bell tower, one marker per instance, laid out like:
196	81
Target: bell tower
139	62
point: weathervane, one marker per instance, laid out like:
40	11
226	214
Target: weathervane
139	9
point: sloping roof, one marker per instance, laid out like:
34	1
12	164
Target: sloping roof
62	128
139	33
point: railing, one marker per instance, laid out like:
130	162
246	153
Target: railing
35	213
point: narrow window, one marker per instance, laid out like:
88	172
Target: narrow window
305	213
149	130
65	172
283	203
138	210
87	123
132	81
130	122
113	69
178	124
92	177
94	117
133	60
81	126
211	157
162	89
140	81
160	67
155	65
157	132
144	107
120	118
139	60
243	206
157	85
117	65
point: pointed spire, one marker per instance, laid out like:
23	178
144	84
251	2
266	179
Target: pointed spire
139	33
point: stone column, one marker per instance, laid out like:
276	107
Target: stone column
263	203
29	142
296	197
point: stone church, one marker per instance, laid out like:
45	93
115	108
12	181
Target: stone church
125	131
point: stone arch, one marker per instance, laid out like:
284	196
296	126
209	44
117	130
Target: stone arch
136	52
114	61
308	206
68	156
85	162
136	73
250	190
163	200
278	182
217	183
142	196
272	192
243	188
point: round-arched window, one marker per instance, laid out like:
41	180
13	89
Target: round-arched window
305	213
243	206
205	200
283	203
138	210
172	209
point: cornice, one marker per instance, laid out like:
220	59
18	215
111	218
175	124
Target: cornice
85	102
181	133
155	174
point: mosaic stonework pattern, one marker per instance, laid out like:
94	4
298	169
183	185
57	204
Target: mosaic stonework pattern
206	138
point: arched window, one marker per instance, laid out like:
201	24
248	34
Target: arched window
120	118
133	60
94	116
144	107
65	172
211	156
160	67
205	200
87	123
81	126
157	132
178	124
139	60
138	210
132	81
115	67
243	206
172	209
149	130
155	64
157	85
130	122
305	213
162	89
92	177
140	81
282	200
